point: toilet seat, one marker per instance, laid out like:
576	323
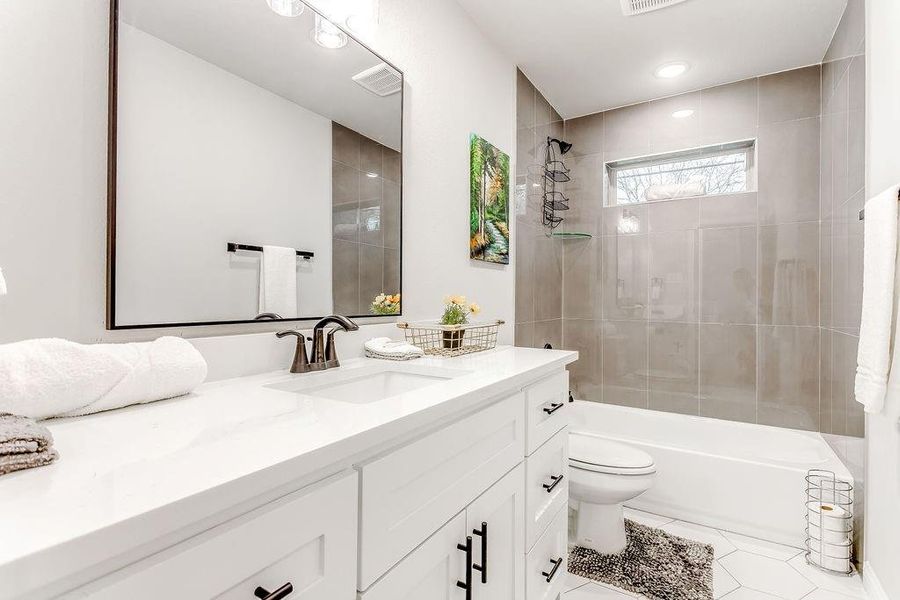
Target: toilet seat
591	453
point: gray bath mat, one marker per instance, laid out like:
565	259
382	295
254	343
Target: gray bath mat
655	564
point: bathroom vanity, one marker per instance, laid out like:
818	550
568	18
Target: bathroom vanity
437	478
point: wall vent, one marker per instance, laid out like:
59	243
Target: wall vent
637	7
381	79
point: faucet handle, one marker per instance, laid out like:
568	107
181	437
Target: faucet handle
331	357
301	362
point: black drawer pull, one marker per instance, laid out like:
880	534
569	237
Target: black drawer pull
467	585
282	592
556	563
552	486
482	568
553	407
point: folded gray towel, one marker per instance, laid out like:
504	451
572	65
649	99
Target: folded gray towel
24	444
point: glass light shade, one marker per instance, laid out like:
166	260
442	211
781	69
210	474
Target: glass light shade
671	70
287	8
683	114
328	35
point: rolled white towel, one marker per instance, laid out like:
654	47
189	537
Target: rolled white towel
52	377
385	347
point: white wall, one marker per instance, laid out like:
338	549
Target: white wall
204	158
53	163
883	170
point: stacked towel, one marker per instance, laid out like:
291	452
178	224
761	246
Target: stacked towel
57	378
880	295
24	444
387	349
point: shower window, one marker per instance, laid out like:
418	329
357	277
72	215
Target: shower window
708	171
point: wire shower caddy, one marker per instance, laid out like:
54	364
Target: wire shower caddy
829	522
452	340
555	172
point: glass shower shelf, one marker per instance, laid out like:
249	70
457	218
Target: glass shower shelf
571	235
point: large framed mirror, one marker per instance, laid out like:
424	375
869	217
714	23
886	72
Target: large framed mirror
255	165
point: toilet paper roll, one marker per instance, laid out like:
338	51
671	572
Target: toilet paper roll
829	517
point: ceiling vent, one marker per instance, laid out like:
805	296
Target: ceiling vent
381	79
637	7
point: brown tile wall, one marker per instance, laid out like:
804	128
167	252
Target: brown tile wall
365	220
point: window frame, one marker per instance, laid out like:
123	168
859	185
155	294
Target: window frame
612	168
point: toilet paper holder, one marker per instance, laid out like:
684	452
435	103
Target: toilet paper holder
829	522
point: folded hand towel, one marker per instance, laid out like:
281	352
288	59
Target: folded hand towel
51	377
24	444
877	328
2	284
386	348
278	281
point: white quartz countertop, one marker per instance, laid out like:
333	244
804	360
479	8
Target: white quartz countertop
133	475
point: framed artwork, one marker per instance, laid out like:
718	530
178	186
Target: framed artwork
488	202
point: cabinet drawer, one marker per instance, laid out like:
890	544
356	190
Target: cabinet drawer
541	561
541	468
307	539
408	494
547	408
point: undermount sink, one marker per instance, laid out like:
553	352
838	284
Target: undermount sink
368	384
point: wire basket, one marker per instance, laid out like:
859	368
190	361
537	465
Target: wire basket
829	522
452	340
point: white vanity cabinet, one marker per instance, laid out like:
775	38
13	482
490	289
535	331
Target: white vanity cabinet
304	542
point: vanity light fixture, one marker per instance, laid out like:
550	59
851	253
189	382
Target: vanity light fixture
328	35
670	70
683	113
286	8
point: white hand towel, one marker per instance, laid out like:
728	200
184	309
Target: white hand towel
51	377
385	347
879	289
2	284
278	281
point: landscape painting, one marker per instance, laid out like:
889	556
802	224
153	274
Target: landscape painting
489	202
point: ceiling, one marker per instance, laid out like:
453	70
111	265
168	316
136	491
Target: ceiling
585	56
247	39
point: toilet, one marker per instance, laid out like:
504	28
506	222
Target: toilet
603	475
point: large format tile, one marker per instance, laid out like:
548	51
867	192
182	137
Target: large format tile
345	145
762	547
371	275
820	594
789	95
547	278
670	133
625	267
624	220
728	210
789	172
525	242
548	332
723	582
574	581
728	275
582	279
674	215
674	276
788	274
849	586
645	518
583	336
729	112
706	535
748	594
593	591
524	101
624	362
585	134
767	575
673	367
789	377
727	366
626	131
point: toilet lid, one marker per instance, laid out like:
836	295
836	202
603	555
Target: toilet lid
597	454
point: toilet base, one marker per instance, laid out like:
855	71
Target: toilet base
601	527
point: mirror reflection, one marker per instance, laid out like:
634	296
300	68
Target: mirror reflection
257	165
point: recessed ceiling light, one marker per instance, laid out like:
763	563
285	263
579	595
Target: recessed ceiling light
372	175
328	35
683	114
287	8
670	70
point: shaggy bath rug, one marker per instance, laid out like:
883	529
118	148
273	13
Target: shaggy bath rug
655	564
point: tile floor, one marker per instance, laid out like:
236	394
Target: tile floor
745	568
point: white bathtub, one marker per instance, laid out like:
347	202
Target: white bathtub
733	476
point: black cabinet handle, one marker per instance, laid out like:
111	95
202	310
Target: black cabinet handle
482	568
467	584
553	407
556	563
282	592
551	486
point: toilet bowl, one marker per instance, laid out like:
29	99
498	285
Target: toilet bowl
603	475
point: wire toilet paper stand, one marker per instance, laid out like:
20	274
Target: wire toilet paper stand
829	522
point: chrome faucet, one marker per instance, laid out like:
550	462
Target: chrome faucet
324	353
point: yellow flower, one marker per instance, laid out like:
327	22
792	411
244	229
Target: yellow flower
395	298
461	300
379	298
474	308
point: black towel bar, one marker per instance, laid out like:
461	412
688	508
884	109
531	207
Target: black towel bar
233	247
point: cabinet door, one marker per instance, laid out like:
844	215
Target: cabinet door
430	572
498	517
546	563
